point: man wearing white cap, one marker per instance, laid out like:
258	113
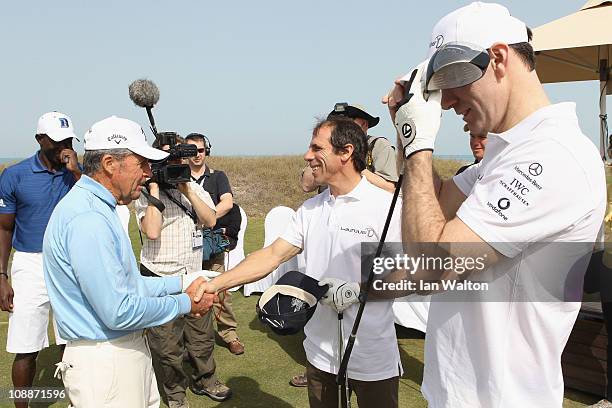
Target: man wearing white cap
540	185
29	191
100	301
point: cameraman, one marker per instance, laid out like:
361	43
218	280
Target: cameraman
215	182
172	220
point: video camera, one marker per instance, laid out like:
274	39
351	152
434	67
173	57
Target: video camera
168	175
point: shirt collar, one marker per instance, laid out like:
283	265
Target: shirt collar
561	111
38	166
97	189
358	193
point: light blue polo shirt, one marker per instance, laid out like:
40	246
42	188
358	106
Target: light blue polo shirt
95	287
31	192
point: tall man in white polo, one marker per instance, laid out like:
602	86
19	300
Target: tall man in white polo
29	191
100	300
330	228
504	353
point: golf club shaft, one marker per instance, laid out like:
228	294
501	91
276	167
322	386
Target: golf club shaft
341	378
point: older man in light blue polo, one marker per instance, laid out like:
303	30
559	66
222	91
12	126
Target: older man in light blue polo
101	302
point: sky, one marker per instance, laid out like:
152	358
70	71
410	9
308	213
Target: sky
252	76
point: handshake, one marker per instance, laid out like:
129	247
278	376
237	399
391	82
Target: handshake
200	290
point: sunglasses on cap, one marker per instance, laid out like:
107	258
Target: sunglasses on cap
456	64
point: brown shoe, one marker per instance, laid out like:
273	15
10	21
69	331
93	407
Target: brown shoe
235	347
217	392
299	380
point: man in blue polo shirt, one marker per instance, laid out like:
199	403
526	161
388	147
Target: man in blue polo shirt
29	191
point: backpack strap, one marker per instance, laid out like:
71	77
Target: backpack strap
370	159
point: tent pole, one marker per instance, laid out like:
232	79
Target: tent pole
604	73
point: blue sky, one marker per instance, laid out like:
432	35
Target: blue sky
251	75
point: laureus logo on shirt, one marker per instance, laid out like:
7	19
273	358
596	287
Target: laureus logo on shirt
368	232
2	203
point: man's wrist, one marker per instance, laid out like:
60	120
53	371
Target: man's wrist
3	274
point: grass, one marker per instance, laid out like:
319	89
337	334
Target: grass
260	377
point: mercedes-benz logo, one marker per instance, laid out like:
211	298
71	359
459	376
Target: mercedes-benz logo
503	203
535	169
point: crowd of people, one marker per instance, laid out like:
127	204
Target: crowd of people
539	185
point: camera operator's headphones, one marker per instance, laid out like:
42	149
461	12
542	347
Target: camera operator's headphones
207	144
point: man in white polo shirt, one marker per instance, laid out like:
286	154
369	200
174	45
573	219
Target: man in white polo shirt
330	228
540	186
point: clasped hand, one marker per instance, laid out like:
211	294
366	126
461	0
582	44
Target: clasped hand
201	291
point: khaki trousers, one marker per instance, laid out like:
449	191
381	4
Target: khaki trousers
168	343
323	390
224	313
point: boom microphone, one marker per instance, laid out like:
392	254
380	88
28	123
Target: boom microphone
144	93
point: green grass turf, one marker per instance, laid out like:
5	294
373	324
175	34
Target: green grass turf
259	378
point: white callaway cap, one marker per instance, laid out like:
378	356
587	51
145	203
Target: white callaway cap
478	23
56	125
119	133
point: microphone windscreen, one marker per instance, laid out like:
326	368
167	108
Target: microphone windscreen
144	93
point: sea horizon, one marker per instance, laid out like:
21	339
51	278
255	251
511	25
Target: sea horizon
457	157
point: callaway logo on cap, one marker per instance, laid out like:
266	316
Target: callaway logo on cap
119	133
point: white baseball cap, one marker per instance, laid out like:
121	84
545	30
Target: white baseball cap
119	133
478	23
56	125
458	52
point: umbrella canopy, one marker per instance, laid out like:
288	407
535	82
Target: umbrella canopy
578	47
571	48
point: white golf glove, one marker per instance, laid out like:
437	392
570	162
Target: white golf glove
190	277
340	294
418	120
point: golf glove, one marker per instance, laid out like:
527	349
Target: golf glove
418	120
340	294
190	277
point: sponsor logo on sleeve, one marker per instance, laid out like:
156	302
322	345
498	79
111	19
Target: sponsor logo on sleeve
517	189
535	169
528	175
2	203
502	204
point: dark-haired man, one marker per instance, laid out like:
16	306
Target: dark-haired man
381	169
329	228
29	191
540	185
215	182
